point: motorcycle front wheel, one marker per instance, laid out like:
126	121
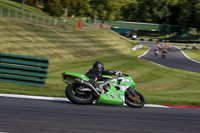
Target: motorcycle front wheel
76	96
136	100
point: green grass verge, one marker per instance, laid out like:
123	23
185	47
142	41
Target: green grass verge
76	51
158	85
193	54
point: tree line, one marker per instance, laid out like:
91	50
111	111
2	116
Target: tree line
174	12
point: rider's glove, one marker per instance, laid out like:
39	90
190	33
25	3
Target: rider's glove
118	73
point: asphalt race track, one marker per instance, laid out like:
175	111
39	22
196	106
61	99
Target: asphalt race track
174	59
19	115
40	116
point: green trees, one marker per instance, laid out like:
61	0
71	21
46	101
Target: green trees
154	11
197	18
53	7
188	13
175	12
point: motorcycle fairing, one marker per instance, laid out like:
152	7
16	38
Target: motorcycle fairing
122	82
82	76
111	97
114	95
122	87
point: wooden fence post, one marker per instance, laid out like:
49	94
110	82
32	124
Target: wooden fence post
44	19
16	13
30	17
1	12
36	19
23	15
8	14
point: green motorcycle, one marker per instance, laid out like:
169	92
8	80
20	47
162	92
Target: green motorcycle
107	90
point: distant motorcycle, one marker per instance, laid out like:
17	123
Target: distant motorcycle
194	47
156	53
164	54
186	47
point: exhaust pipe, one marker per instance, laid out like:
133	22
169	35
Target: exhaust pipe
87	84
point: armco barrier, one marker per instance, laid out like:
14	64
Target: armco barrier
137	47
169	41
25	70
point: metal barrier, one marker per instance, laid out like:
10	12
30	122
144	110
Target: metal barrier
25	70
137	47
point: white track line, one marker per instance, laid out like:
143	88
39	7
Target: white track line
186	55
144	53
156	106
34	97
157	64
166	66
61	99
150	61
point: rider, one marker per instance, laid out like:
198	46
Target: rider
165	51
96	72
195	46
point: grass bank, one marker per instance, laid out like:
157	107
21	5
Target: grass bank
76	51
193	54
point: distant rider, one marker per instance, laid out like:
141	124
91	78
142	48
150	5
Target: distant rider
195	46
164	51
156	51
186	47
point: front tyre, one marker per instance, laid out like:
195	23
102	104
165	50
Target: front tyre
136	100
77	97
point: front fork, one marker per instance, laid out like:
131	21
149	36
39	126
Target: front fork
131	91
133	95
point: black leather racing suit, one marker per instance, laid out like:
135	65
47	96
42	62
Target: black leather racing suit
94	74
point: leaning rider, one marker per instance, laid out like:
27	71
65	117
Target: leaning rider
96	72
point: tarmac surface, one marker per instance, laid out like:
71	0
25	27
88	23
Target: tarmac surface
174	59
18	115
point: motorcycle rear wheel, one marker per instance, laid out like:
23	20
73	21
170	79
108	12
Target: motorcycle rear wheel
76	97
163	56
137	101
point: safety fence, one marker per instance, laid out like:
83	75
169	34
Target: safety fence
140	26
42	18
36	18
164	40
25	70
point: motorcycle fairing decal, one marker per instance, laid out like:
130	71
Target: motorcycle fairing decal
112	96
122	81
120	96
123	88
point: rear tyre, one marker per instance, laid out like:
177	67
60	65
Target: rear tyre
76	96
136	101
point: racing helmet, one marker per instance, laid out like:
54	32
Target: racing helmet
98	65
